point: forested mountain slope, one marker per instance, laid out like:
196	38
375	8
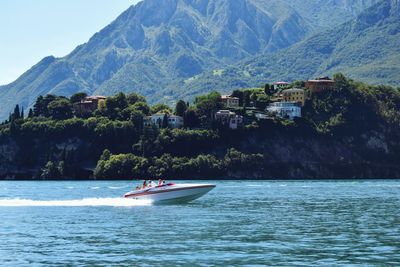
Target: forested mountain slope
366	48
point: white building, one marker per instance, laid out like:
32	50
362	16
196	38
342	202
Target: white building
175	121
230	119
158	118
285	109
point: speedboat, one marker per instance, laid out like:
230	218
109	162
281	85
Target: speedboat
170	193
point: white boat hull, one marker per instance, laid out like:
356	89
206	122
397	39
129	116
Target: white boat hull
171	193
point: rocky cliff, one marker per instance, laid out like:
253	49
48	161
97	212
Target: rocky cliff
295	152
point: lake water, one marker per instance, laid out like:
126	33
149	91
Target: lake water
251	223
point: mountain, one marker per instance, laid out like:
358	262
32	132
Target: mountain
159	47
325	14
366	48
156	42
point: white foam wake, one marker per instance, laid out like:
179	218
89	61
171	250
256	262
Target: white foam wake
87	202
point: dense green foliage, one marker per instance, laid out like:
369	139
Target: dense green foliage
354	107
201	166
56	143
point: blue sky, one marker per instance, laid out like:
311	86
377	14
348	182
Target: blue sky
33	29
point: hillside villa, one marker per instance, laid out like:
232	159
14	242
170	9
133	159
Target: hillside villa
229	119
294	95
88	104
319	84
157	119
230	101
284	110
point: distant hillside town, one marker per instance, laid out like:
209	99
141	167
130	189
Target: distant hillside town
279	99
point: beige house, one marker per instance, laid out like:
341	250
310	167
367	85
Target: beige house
230	101
294	95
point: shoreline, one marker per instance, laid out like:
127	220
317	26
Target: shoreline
205	179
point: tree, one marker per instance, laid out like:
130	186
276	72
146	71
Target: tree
101	107
262	101
61	168
60	109
148	144
143	107
253	98
160	108
341	83
114	105
246	98
121	167
106	155
16	114
299	84
78	97
191	119
267	89
165	121
40	107
136	117
181	108
133	98
50	171
22	113
238	94
30	113
207	105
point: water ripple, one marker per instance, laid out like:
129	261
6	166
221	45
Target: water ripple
305	223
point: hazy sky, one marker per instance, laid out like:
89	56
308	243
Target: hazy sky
33	29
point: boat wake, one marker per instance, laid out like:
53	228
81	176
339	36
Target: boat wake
87	202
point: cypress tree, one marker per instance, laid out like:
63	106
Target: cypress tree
165	121
16	115
267	89
180	108
30	113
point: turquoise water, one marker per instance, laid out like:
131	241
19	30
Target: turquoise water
275	223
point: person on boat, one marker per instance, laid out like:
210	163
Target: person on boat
151	184
160	182
144	184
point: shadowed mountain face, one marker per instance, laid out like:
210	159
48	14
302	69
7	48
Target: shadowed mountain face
158	47
366	48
